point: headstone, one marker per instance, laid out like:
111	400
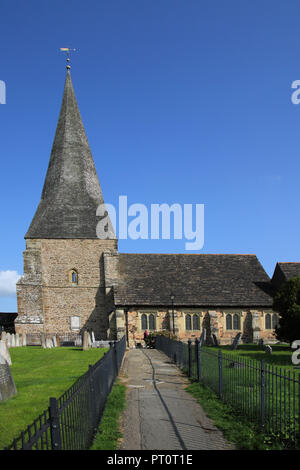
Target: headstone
8	340
17	340
54	341
86	338
4	336
214	340
43	341
268	349
7	384
236	341
261	343
202	337
12	341
4	352
24	339
93	337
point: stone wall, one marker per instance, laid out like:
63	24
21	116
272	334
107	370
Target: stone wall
252	324
48	300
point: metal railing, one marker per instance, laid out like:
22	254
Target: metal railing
71	421
264	393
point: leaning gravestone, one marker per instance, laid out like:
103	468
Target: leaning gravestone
7	384
236	341
4	352
268	349
202	337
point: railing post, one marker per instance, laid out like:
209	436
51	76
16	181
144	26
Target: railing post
190	358
54	425
220	374
112	345
299	410
93	399
197	353
262	393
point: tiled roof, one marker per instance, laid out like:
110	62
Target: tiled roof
283	272
71	192
200	279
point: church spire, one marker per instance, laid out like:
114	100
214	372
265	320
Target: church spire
71	192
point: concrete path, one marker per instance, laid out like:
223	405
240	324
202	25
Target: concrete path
160	415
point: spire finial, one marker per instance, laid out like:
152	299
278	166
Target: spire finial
67	50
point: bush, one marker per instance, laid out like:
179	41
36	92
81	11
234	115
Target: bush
287	304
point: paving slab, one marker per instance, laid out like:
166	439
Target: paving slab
160	414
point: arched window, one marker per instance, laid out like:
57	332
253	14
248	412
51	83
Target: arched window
236	322
144	322
188	322
274	320
228	321
151	322
73	276
268	321
196	322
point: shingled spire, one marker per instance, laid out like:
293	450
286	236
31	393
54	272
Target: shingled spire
71	192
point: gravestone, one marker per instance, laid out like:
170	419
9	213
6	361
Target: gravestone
4	352
86	340
214	340
202	337
93	337
8	341
261	343
7	384
24	342
268	349
236	341
43	341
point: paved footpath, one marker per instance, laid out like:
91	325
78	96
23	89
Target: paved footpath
160	414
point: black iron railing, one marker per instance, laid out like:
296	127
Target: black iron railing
71	421
265	393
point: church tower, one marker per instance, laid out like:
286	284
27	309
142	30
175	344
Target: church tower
62	289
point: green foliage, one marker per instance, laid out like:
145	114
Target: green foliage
166	333
108	433
236	428
287	304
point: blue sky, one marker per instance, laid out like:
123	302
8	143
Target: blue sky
183	101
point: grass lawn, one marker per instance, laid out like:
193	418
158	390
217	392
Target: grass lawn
108	432
40	374
281	354
241	391
235	426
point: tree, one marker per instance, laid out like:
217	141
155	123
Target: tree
287	304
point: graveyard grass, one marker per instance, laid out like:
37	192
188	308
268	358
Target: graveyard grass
40	374
237	428
109	434
244	434
281	354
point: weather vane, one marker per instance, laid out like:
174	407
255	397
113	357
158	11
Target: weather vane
67	50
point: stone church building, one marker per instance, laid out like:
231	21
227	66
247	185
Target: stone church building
75	281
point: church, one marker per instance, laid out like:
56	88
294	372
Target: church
75	280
